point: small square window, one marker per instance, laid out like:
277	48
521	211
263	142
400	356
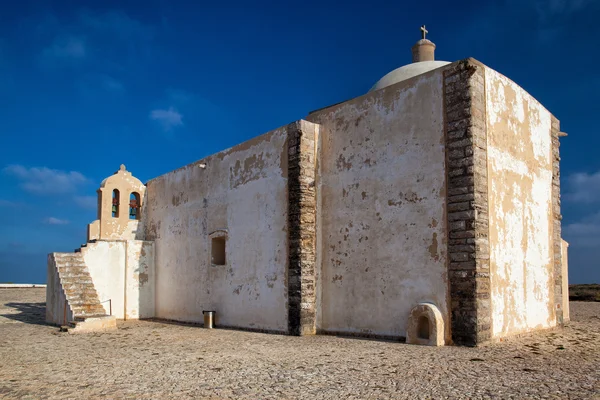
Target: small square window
218	251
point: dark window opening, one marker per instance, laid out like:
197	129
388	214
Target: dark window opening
423	327
115	203
218	251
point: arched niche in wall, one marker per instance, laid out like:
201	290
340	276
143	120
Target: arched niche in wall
425	325
135	205
116	201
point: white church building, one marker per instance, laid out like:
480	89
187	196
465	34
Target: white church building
427	209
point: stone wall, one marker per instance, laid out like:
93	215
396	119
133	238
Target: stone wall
467	202
560	267
302	142
381	231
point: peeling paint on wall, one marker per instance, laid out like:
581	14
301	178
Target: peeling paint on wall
520	206
381	252
242	190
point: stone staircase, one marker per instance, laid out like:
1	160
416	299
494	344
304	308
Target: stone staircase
81	295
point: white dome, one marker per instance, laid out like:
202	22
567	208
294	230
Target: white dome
406	72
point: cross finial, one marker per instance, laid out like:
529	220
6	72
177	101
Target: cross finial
424	32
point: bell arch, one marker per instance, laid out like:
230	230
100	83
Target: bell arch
120	199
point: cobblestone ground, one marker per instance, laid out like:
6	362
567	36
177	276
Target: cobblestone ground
157	360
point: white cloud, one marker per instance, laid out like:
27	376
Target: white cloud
111	84
92	83
583	188
109	40
8	204
584	233
45	180
65	48
168	119
548	9
55	221
117	23
179	96
89	202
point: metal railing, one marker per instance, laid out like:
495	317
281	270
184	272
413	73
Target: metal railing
109	305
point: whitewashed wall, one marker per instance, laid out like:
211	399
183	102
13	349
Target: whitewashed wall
123	272
139	280
381	224
565	280
242	190
58	311
520	208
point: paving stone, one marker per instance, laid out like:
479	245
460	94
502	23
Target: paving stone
157	360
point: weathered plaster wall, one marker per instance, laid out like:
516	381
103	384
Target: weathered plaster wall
105	261
120	227
139	280
242	191
565	280
123	272
520	208
381	208
58	311
93	230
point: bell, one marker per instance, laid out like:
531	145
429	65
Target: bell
114	209
132	212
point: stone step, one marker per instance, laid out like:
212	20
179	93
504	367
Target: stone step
81	292
73	283
78	287
74	274
83	300
87	309
97	323
80	279
76	279
69	267
72	265
73	271
67	256
82	318
91	296
88	313
85	305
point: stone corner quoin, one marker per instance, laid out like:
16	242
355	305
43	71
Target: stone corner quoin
467	202
302	209
556	222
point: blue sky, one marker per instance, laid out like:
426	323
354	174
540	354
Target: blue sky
86	86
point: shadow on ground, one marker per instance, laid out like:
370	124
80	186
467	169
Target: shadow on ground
29	313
